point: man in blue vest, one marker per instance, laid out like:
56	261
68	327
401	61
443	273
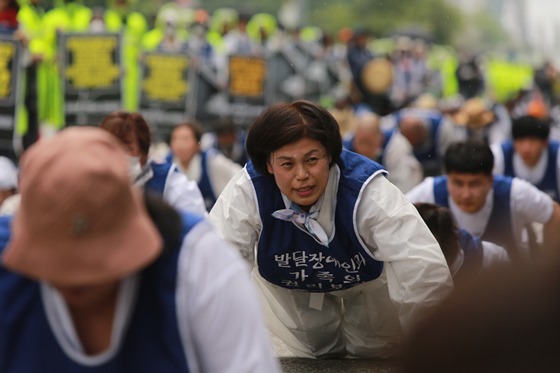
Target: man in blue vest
389	148
429	133
530	155
496	208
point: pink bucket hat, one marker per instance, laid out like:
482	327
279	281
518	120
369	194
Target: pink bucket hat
80	221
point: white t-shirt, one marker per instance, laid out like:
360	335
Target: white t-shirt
219	315
527	203
534	175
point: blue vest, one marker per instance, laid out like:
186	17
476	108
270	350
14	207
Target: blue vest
549	183
428	155
289	257
151	344
157	182
204	183
499	229
473	250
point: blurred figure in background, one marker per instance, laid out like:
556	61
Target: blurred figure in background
469	76
389	148
8	184
209	168
430	134
8	16
530	155
228	139
164	179
466	254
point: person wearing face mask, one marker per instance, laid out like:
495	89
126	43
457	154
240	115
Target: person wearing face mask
162	178
344	262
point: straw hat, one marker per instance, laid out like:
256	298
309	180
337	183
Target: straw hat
377	75
80	221
474	113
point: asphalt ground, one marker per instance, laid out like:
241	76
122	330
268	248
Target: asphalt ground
292	364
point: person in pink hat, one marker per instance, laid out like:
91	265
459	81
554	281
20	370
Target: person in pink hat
96	275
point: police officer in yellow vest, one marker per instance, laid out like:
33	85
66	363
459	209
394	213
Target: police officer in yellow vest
66	16
121	16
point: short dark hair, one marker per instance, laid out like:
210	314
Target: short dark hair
284	123
529	126
194	126
441	223
469	157
122	123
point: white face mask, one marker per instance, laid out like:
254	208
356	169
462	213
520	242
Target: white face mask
134	168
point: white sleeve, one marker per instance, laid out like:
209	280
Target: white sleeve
498	159
235	215
529	204
423	192
221	170
404	169
220	319
417	274
493	254
184	194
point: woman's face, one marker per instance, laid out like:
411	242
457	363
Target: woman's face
184	145
301	171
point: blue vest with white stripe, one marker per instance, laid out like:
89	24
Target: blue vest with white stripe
204	183
499	229
157	182
472	248
549	182
151	343
291	258
428	155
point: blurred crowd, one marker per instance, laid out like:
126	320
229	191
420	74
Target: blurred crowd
357	215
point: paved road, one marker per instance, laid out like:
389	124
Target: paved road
292	364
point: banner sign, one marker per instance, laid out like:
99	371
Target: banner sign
92	76
247	77
10	93
164	89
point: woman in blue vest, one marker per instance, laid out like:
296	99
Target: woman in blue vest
209	168
164	179
95	277
344	262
